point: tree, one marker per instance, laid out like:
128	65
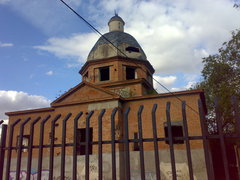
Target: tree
221	79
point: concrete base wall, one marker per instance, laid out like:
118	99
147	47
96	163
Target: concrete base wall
199	168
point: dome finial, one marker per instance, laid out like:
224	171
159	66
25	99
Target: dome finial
115	12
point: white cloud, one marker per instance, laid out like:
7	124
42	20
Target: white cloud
5	44
175	83
49	73
167	81
78	46
18	100
189	85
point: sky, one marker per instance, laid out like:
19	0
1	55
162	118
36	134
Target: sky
43	44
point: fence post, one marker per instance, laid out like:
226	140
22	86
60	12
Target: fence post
63	146
113	143
126	145
208	161
156	154
87	145
10	141
2	148
170	140
19	153
222	140
30	147
74	171
142	165
186	136
52	139
100	168
40	153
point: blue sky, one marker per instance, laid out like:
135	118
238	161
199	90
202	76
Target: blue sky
43	44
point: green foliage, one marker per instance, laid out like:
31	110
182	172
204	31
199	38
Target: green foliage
221	76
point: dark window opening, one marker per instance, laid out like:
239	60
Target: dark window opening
177	131
132	49
135	145
104	74
81	137
130	73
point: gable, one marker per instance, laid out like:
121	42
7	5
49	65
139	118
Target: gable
84	92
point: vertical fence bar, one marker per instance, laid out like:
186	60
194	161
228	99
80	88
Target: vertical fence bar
51	158
2	148
222	141
9	155
156	154
236	113
100	144
40	153
126	143
170	137
63	146
209	165
30	146
114	177
74	172
19	148
87	145
140	134
185	126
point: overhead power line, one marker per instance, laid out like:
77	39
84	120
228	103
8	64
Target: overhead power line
98	32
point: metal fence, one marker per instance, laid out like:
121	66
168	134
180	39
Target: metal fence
6	151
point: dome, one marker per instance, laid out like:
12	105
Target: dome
125	45
116	18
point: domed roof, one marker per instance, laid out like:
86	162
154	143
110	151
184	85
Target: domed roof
125	45
116	18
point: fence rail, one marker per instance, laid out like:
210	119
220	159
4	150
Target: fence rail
205	138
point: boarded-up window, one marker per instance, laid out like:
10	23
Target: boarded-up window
136	144
81	137
177	131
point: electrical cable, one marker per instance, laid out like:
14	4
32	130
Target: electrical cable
98	32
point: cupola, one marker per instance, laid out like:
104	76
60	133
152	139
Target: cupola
122	44
116	23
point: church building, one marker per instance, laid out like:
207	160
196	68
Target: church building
104	110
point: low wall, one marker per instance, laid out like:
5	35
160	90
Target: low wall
165	166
